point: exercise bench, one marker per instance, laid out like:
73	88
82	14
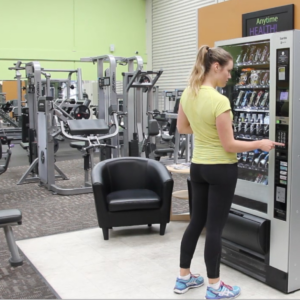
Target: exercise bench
9	218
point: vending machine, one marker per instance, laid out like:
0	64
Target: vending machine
261	237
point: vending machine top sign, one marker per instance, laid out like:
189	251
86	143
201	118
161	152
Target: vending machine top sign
269	20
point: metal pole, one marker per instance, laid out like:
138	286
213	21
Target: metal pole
101	95
69	85
19	91
79	84
58	70
131	60
48	84
33	74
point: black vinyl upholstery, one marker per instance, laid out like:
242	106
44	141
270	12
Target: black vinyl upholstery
132	191
83	126
10	216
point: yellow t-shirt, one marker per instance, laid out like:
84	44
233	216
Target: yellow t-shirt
202	112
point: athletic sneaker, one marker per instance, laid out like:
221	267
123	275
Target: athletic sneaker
224	292
182	286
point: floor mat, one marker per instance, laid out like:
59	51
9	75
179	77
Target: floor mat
46	214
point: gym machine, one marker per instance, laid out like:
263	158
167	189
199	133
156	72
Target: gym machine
261	236
34	72
107	95
183	143
140	112
86	131
14	132
169	98
18	76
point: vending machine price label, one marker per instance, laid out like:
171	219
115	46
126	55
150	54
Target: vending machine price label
281	73
280	194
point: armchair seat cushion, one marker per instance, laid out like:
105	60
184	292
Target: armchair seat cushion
133	199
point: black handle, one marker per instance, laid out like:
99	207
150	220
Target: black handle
236	213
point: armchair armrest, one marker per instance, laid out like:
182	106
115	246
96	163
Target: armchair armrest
161	182
100	191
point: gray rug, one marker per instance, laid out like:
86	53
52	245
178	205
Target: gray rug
46	214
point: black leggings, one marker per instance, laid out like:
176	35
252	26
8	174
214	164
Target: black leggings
212	193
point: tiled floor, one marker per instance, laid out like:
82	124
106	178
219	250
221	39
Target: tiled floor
135	263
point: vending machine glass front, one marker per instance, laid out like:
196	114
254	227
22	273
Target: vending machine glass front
248	92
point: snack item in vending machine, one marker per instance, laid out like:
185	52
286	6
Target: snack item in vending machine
255	78
264	101
253	96
258	98
239	98
239	58
243	78
246	98
265	78
257	55
252	54
264	55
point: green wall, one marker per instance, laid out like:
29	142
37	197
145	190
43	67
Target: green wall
60	32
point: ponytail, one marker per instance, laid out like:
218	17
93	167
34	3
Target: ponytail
205	58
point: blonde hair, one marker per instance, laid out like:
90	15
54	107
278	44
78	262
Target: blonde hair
205	58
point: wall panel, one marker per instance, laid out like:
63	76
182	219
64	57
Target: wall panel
174	40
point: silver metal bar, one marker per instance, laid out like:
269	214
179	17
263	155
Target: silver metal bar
105	58
15	256
101	93
33	74
60	111
71	191
58	70
31	167
177	142
131	60
69	85
56	80
79	84
19	91
187	147
135	75
48	84
60	172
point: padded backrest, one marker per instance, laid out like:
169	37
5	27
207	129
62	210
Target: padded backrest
153	128
87	102
125	174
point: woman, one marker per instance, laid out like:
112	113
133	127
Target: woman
207	114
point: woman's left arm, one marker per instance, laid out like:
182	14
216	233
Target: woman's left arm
183	124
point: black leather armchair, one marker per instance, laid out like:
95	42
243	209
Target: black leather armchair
132	191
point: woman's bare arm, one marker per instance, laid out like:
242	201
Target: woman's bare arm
183	124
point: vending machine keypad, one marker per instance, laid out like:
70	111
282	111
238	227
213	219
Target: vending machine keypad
282	133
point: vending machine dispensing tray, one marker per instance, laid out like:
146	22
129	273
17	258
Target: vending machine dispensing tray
245	244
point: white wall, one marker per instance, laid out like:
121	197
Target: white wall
172	39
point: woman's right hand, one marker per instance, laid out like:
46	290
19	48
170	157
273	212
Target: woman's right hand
268	145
